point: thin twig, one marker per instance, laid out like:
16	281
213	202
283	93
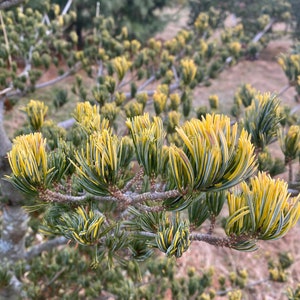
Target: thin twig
175	74
67	123
284	89
46	20
100	69
265	30
10	92
67	7
123	82
5	91
56	276
138	177
225	292
150	93
293	192
146	83
59	78
212	224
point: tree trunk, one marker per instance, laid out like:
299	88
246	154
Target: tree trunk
290	166
12	247
14	218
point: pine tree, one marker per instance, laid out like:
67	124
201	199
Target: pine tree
134	171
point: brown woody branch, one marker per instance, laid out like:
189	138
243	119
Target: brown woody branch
227	242
149	209
125	199
138	177
51	196
46	246
155	196
248	286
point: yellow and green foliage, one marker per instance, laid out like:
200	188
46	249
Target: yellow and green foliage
263	209
36	112
136	172
29	162
290	143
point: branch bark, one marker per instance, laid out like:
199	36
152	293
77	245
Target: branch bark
52	196
13	291
46	246
228	241
5	4
264	31
155	196
225	292
212	240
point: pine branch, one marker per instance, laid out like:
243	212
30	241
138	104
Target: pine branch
54	278
46	20
212	240
51	196
212	224
264	31
5	91
126	198
9	92
100	70
73	70
67	7
147	234
138	177
146	83
124	83
175	74
284	89
225	292
155	196
46	246
227	242
67	123
149	209
293	192
172	88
